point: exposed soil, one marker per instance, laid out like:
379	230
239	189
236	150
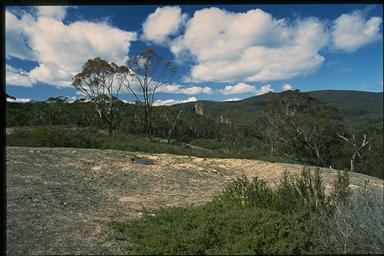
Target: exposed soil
60	199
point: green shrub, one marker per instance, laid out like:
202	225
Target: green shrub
293	193
341	190
55	136
213	144
249	217
215	229
247	193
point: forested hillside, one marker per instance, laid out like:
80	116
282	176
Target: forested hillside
337	129
357	106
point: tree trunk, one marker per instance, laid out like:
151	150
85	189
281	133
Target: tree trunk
111	131
352	163
146	124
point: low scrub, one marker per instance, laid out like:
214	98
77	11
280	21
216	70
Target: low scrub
249	217
294	193
354	226
214	229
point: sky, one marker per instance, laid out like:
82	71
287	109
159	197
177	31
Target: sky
221	52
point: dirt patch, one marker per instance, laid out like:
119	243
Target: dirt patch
60	199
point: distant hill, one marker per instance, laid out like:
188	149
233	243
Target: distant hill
357	106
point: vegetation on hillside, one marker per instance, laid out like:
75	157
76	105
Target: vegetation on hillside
293	127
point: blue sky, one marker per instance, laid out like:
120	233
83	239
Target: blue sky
222	52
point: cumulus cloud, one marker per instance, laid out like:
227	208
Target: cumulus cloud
15	43
246	88
239	88
172	101
254	46
251	46
19	100
162	23
55	12
264	89
287	87
17	77
172	88
233	99
175	88
61	49
352	31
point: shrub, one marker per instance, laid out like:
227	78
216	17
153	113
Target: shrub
253	193
293	193
215	229
249	217
341	190
355	225
55	136
304	190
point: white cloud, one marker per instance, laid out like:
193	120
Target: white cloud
352	31
172	101
128	101
175	88
233	99
251	46
239	88
61	49
55	12
264	89
19	100
287	87
72	99
17	77
254	46
162	23
246	88
15	43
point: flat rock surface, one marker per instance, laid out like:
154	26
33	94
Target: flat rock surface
60	199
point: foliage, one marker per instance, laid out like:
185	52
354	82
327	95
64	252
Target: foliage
293	193
54	136
300	128
101	82
150	71
341	190
214	229
248	217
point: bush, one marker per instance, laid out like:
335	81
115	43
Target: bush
55	136
249	217
354	226
247	193
293	194
214	229
341	190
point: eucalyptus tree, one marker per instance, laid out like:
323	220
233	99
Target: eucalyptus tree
303	129
102	82
149	72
